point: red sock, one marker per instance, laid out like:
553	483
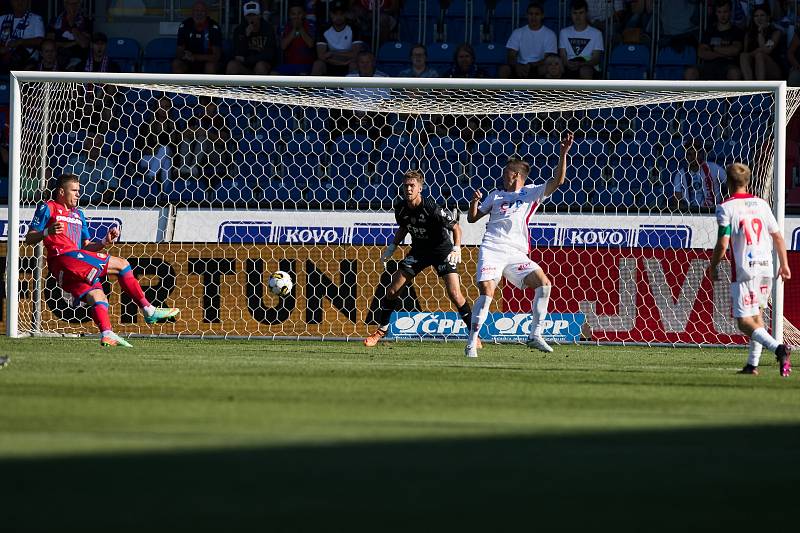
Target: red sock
131	287
99	313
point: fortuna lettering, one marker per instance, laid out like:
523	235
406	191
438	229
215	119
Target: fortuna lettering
70	220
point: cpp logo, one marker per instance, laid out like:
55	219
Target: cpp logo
517	326
436	324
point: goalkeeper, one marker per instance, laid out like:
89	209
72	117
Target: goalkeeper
430	226
79	264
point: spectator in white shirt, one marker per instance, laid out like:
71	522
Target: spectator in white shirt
21	33
580	45
527	47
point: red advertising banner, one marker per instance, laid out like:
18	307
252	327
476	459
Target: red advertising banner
648	295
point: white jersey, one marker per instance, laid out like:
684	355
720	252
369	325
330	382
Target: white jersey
751	224
509	212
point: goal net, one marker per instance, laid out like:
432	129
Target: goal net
215	182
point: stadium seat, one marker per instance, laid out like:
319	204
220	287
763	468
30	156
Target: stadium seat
158	55
125	51
441	54
490	55
5	91
394	56
186	192
629	61
671	64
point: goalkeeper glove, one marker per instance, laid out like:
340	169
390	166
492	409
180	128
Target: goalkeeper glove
455	256
387	254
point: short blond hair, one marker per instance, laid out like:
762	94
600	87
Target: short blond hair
414	175
518	165
738	174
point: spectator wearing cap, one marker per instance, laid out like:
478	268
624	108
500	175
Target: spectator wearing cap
72	32
199	47
338	45
98	60
255	44
297	42
21	33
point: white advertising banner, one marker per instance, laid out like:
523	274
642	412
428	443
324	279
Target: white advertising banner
365	228
136	225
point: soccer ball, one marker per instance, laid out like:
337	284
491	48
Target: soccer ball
280	283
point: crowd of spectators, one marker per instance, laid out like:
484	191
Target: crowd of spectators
733	39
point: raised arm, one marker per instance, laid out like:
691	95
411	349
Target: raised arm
474	214
561	171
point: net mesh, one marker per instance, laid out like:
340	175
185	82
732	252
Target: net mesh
215	187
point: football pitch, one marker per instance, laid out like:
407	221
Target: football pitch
185	435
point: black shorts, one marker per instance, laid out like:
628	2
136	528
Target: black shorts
414	263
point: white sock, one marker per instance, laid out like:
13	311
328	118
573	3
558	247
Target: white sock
106	333
765	339
755	353
541	300
149	310
479	313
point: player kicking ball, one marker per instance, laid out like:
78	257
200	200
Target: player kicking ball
506	244
79	264
430	226
745	221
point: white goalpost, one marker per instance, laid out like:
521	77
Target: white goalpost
217	181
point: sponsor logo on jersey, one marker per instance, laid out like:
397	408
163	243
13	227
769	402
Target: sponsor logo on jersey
68	219
244	232
643	236
749	298
506	327
796	239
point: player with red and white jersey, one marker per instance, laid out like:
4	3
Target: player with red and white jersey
506	244
79	264
746	223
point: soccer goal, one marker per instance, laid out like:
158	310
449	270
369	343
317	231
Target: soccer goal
215	182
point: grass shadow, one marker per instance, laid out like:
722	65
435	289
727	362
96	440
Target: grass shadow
690	479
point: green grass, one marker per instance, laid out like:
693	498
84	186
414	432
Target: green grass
227	435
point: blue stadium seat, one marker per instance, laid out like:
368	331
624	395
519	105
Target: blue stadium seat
671	64
186	192
5	91
394	57
441	53
350	157
534	148
158	55
629	61
125	51
491	55
489	158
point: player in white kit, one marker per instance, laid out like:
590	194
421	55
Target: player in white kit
747	223
506	244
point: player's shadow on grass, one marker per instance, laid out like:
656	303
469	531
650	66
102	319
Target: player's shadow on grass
696	479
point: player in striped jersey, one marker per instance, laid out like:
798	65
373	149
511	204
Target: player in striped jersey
746	223
79	263
506	244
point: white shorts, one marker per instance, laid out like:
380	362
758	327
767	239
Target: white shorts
748	297
514	266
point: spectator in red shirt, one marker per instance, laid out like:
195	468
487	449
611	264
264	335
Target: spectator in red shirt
297	42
